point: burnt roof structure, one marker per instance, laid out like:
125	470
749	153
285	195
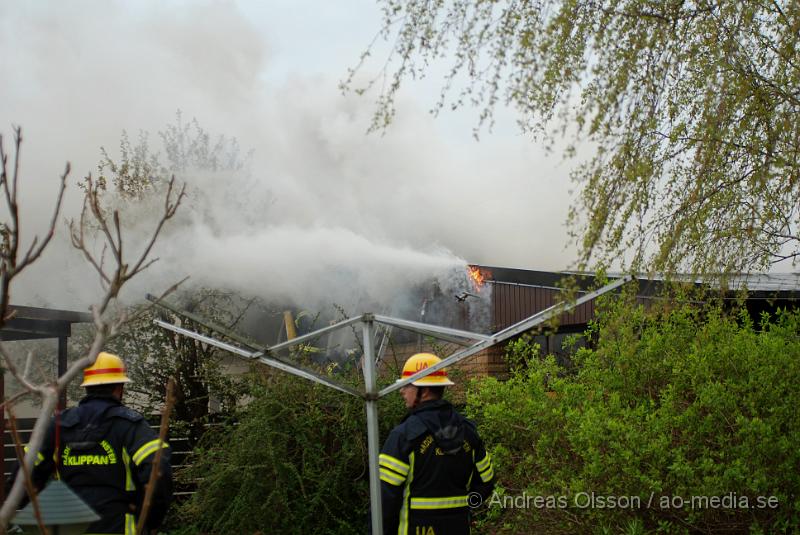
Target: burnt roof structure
31	323
519	293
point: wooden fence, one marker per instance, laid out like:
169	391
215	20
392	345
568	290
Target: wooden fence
179	445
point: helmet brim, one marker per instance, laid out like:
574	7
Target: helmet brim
439	381
96	381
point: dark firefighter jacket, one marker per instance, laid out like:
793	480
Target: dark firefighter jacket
106	455
429	465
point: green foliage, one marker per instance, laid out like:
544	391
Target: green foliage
681	402
130	183
295	462
187	147
135	174
203	384
691	108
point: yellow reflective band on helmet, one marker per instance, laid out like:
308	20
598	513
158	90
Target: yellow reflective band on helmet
39	456
391	478
449	502
107	369
149	448
422	361
395	464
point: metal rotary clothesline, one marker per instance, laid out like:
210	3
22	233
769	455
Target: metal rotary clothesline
371	394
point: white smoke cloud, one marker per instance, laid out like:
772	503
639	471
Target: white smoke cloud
326	210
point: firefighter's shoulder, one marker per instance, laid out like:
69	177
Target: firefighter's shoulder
411	428
70	417
471	430
125	413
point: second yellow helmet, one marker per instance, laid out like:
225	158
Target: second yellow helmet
421	361
107	369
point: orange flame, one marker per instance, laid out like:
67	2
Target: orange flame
477	277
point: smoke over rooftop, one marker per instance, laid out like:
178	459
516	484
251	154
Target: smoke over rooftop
323	213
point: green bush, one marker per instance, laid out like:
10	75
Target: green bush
295	462
677	403
666	406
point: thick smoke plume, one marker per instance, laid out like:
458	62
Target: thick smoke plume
323	213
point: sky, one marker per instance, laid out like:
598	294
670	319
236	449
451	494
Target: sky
324	208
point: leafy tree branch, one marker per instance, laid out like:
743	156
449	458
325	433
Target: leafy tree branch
679	99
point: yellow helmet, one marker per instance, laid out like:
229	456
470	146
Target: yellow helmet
419	362
107	369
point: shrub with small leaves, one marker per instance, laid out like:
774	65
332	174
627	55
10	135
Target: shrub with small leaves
667	405
295	462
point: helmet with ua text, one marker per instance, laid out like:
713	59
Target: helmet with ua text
421	361
107	369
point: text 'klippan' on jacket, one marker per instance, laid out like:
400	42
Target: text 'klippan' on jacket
429	465
106	454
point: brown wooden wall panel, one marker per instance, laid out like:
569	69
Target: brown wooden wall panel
530	303
512	303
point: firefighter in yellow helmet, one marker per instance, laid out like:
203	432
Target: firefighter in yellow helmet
106	452
433	466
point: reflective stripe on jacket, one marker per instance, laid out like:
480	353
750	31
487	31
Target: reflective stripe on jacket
106	453
429	465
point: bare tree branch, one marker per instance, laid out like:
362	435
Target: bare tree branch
10	264
49	401
155	472
9	365
170	208
13	399
113	277
34	252
37	513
